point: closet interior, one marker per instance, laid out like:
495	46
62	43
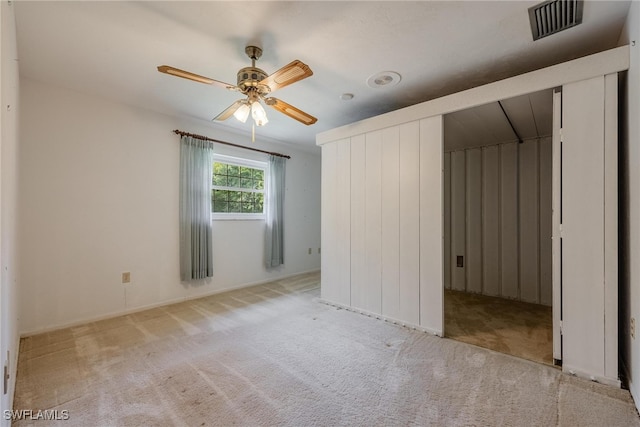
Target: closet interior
498	226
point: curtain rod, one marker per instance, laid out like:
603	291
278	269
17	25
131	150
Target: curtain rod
193	135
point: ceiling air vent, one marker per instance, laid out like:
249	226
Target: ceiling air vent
553	16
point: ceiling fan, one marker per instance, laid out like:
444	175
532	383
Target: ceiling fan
256	85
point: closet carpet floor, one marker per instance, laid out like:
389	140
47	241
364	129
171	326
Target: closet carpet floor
512	327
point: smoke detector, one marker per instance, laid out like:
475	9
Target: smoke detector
384	79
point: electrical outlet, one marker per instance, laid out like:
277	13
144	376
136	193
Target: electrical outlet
309	251
633	327
126	277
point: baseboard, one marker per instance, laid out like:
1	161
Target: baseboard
11	386
381	317
635	397
570	370
160	304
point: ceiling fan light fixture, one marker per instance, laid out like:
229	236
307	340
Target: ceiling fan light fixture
256	85
258	114
242	113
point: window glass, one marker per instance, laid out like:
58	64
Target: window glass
238	189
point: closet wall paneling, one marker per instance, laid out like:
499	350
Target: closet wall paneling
528	227
330	220
357	224
447	219
458	221
382	213
373	222
342	247
509	220
410	222
545	151
491	223
506	221
474	220
431	225
391	222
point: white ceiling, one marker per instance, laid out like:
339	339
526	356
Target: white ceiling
112	49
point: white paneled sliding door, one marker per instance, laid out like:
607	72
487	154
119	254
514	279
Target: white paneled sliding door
336	226
447	220
390	221
582	224
329	210
382	223
343	198
409	215
373	222
589	226
358	225
400	223
556	220
431	225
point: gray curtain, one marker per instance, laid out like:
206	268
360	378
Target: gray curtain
274	238
196	258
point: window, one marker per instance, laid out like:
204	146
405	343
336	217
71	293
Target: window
238	190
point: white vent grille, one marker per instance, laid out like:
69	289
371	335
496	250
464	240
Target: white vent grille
554	16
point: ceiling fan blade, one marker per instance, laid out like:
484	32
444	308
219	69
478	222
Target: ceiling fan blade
195	77
291	111
286	75
229	111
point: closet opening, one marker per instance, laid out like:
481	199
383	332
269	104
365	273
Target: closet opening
498	185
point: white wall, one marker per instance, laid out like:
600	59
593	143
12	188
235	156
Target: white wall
630	214
99	196
506	249
9	314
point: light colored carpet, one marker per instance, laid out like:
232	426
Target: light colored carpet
512	327
272	355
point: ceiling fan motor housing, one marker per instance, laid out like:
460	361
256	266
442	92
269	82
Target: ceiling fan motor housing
250	77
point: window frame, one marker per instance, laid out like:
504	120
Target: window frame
239	161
